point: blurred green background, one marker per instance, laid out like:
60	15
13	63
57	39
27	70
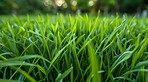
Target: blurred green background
20	7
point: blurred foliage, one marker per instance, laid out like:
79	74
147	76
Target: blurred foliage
30	6
130	5
64	6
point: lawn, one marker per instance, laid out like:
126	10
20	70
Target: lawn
73	48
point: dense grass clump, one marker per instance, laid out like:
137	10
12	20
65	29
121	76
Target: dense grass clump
73	48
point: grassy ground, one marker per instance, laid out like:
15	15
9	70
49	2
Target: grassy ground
73	48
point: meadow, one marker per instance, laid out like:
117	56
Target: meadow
73	48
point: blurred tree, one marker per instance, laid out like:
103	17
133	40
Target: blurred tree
122	6
83	4
108	5
68	5
130	6
145	4
30	6
3	7
53	6
7	7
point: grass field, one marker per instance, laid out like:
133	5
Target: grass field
73	48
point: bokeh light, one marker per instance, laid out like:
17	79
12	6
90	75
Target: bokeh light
59	2
91	3
72	6
47	2
65	5
74	3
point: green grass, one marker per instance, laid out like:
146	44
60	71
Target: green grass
73	48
